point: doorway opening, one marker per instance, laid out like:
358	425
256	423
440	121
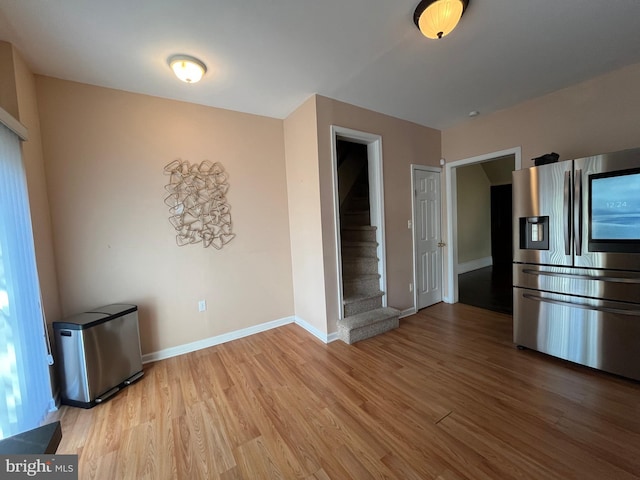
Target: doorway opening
359	217
485	252
479	256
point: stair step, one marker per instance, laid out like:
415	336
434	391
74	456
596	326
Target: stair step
356	211
359	246
358	298
365	325
364	251
355	204
360	265
358	233
351	278
360	227
355	304
355	218
364	243
361	202
357	259
364	287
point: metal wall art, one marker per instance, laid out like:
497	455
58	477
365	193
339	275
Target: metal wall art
197	203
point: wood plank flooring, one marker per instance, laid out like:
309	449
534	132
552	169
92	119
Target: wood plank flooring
446	396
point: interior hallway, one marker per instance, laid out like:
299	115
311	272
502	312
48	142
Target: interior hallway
489	288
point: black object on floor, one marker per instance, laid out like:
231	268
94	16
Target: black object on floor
489	288
40	440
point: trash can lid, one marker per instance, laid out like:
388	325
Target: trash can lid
81	321
115	310
95	316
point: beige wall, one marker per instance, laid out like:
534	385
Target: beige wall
301	147
18	97
474	213
403	143
8	89
105	151
596	116
498	171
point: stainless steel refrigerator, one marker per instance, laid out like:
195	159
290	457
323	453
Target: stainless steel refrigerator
576	270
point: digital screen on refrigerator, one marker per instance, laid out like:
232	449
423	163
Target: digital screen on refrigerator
615	207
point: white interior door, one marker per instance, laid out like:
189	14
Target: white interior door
428	238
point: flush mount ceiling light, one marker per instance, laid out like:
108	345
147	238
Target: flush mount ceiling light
188	69
437	18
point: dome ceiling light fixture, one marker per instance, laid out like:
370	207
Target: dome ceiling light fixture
188	69
437	18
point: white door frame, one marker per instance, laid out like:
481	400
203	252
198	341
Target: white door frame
452	212
413	226
376	201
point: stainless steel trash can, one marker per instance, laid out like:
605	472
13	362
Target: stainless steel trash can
98	353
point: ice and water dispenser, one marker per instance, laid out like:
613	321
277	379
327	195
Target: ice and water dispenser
98	353
534	233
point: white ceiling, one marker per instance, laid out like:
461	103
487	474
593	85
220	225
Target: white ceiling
268	56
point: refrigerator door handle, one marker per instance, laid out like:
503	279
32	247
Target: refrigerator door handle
620	311
567	213
578	276
577	217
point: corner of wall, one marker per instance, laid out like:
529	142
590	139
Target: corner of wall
8	95
305	222
33	158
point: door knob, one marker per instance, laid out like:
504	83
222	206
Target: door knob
441	244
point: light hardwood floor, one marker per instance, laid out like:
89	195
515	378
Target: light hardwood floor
446	396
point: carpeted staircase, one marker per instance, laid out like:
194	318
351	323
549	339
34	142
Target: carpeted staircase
365	316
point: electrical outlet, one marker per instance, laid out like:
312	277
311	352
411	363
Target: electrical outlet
202	305
411	287
409	224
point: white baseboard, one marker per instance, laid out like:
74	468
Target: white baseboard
227	337
407	312
217	340
324	337
474	265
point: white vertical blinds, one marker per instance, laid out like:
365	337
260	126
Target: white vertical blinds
25	384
